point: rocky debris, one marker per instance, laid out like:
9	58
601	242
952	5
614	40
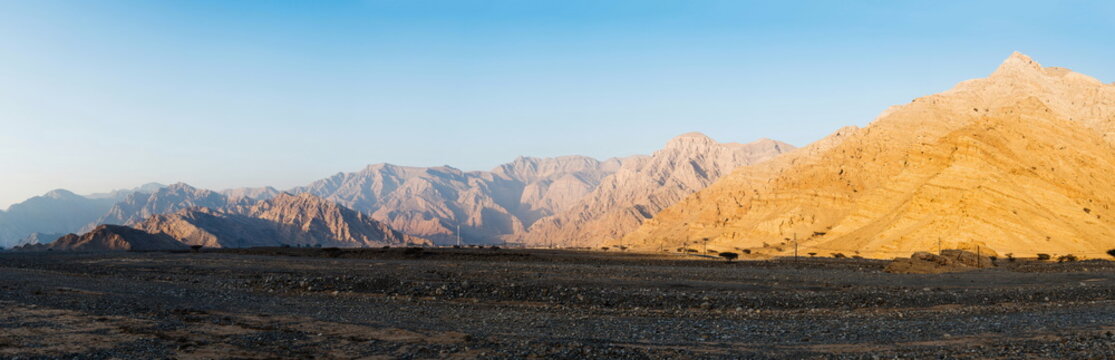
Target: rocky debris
948	261
512	304
516	304
1009	159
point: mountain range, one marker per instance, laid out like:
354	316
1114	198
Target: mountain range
1018	162
1014	163
59	211
644	186
436	203
296	220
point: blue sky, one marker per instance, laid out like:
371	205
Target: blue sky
96	95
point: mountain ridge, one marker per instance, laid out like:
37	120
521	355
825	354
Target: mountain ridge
940	169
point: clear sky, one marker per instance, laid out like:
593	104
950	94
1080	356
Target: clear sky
97	95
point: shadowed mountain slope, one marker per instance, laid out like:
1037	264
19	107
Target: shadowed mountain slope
285	219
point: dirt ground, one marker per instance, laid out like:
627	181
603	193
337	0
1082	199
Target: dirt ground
522	304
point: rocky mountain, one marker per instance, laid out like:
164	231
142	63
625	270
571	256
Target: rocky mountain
285	219
644	186
139	206
432	202
1018	162
111	238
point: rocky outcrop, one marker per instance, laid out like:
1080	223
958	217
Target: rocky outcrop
1018	162
111	238
302	220
433	202
948	261
644	186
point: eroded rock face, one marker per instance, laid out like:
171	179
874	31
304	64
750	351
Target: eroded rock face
644	186
1020	161
111	238
297	220
432	202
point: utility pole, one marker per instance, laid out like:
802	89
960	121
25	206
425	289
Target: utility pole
939	252
458	235
795	247
978	261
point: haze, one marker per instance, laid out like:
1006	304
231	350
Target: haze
112	94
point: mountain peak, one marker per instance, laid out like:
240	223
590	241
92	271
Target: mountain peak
180	186
60	194
1018	62
690	139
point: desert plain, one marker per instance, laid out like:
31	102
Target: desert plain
466	303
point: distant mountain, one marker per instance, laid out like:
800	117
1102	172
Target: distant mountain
111	238
1018	162
139	206
38	238
644	186
58	211
262	193
285	219
432	202
118	195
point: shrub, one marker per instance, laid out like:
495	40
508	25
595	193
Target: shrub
746	251
1043	257
711	251
838	255
857	257
385	247
456	246
692	251
1111	252
1066	258
1010	257
622	248
285	246
729	256
812	254
605	248
495	247
195	248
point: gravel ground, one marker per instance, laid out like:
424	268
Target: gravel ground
515	304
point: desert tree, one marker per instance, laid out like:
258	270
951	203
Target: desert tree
729	256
